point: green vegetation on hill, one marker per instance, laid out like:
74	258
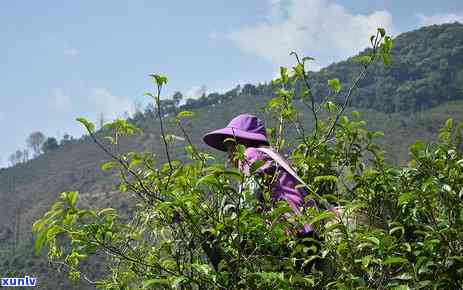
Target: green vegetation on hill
426	70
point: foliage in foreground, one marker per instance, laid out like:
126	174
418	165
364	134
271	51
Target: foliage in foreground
196	226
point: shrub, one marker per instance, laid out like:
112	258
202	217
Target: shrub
195	226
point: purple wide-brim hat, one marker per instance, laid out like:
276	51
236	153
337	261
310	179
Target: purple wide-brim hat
245	127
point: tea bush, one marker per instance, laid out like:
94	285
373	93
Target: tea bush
197	225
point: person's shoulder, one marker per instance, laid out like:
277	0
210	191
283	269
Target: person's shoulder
254	154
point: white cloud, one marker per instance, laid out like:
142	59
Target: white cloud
426	20
212	35
318	28
70	51
110	105
59	101
196	92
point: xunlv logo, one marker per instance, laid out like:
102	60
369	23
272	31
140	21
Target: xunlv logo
18	282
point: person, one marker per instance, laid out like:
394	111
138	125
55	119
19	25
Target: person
250	131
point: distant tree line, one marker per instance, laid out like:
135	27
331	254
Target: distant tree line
36	144
177	102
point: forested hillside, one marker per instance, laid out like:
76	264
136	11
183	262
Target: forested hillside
408	100
426	70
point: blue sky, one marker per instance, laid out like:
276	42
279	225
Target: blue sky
63	59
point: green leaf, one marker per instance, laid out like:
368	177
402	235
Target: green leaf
122	187
276	81
82	213
106	211
404	276
326	178
417	147
378	134
159	79
334	85
202	268
210	231
366	261
400	287
449	124
276	102
323	216
71	197
284	74
40	240
87	124
344	120
168	262
175	137
330	106
283	93
386	47
108	165
208	179
373	240
382	32
363	245
156	282
387	44
256	165
307	58
38	225
363	59
395	260
405	197
176	281
386	59
398	228
233	174
185	114
53	231
423	284
298	70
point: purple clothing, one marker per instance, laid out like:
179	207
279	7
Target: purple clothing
284	188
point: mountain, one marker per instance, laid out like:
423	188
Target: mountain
408	100
426	70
